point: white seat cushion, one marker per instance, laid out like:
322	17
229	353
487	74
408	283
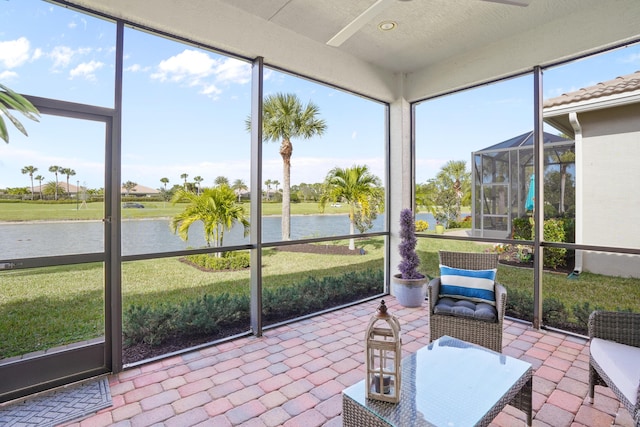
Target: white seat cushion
621	363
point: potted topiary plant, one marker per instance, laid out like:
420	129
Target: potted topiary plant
410	286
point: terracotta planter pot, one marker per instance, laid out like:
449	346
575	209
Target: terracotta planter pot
410	292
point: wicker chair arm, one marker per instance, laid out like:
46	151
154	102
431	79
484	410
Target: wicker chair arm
501	300
433	292
620	327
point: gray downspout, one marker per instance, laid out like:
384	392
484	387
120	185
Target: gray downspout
577	128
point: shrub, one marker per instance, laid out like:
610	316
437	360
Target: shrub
554	312
211	315
465	223
519	304
582	313
148	325
228	261
421	225
521	228
554	232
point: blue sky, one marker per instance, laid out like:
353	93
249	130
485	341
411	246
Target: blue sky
184	108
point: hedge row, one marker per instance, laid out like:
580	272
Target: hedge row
211	315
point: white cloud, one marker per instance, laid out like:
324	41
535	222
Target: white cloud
8	75
632	58
211	90
189	65
14	53
233	71
37	53
197	69
354	135
61	56
134	68
72	24
86	70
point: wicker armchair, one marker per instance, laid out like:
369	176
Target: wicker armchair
613	365
481	332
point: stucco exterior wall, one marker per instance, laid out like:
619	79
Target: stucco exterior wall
611	188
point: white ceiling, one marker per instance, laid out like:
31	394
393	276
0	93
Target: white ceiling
437	46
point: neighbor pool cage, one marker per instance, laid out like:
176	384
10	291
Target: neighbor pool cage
501	175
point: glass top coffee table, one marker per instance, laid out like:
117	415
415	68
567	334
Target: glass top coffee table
448	383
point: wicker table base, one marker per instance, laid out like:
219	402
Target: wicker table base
449	382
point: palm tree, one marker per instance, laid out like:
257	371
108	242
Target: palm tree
268	184
221	180
55	169
284	118
357	187
454	176
163	191
128	186
12	100
68	172
52	188
238	187
184	176
40	178
215	207
165	181
30	170
198	179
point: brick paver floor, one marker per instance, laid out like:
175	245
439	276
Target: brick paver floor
294	375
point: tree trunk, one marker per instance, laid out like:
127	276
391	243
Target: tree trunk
563	180
352	227
286	149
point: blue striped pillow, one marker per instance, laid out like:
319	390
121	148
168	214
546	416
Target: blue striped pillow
473	285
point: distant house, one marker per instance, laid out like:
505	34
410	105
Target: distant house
71	189
139	191
604	120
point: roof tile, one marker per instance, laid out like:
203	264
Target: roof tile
622	84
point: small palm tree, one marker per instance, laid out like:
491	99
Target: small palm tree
129	186
357	187
268	185
52	188
68	172
165	197
184	176
198	179
238	187
14	101
40	178
30	170
284	118
221	180
165	181
55	169
454	188
216	208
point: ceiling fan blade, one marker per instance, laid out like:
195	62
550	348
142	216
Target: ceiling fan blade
361	20
523	3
